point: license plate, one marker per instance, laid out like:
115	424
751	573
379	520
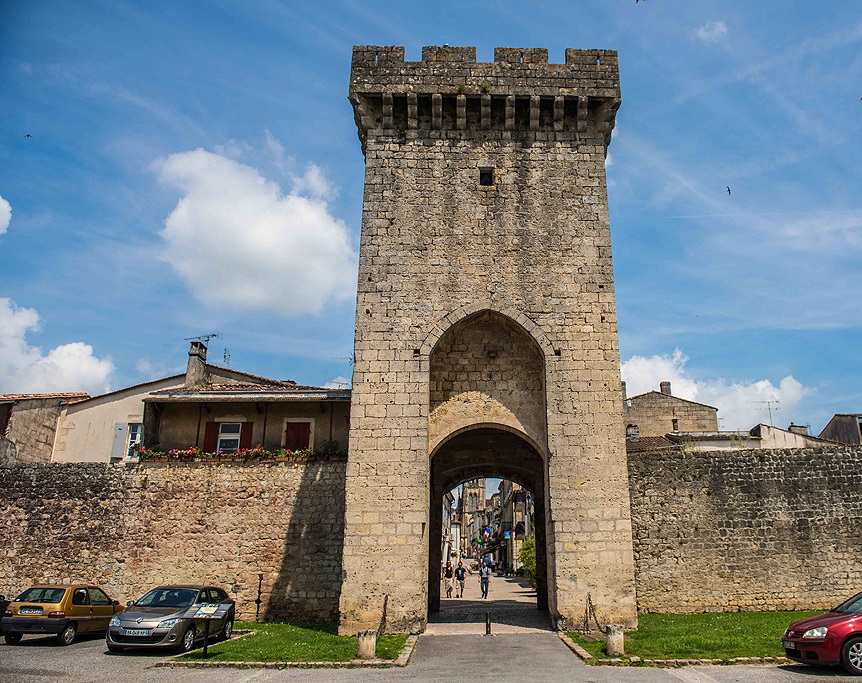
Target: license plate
136	632
30	610
789	645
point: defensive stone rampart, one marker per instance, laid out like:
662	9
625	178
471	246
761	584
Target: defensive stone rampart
713	531
129	528
746	530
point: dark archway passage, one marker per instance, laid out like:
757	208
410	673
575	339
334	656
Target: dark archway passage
487	451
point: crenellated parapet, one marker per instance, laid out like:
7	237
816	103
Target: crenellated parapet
448	91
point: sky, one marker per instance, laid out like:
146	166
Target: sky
194	167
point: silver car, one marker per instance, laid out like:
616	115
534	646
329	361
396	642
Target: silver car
159	619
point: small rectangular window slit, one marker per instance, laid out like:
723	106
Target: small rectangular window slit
486	176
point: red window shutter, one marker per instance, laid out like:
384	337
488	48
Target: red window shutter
297	436
245	435
211	437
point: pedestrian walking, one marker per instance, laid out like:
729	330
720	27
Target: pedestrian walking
449	579
484	578
460	577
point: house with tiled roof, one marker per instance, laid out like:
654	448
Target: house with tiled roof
220	411
28	424
657	413
112	427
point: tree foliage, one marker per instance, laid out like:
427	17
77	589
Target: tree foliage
527	556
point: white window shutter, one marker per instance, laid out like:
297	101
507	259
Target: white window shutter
121	436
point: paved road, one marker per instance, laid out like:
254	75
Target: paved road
539	657
511	603
455	649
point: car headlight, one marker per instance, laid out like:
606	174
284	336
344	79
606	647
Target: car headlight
819	632
115	620
170	623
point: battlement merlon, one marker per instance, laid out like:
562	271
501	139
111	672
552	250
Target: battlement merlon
455	71
580	94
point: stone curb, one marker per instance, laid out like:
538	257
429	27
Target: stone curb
402	660
574	647
666	663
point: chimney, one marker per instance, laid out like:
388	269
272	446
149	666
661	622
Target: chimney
798	429
196	373
665	388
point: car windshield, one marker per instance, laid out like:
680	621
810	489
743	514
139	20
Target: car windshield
52	595
852	606
168	597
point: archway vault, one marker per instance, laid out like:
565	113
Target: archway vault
487	367
487	451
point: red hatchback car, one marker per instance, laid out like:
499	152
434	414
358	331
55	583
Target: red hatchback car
831	638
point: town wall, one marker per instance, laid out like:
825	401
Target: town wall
131	527
713	531
746	530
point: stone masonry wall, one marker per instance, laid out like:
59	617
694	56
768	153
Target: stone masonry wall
485	190
746	530
32	426
487	369
131	527
653	413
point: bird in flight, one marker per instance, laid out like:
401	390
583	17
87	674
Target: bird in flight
728	191
28	135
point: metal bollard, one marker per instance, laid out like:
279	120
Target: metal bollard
487	623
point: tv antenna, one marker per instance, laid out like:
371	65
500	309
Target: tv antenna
350	359
226	356
205	338
769	405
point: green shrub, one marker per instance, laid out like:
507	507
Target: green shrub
527	556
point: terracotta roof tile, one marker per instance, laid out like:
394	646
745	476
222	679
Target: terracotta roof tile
72	395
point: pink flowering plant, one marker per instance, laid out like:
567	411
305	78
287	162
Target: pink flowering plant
327	449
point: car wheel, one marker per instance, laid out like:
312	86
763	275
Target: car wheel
13	638
188	640
227	631
851	655
114	648
67	635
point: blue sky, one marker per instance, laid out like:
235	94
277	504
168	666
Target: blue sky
195	167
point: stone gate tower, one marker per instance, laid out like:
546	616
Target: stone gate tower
486	335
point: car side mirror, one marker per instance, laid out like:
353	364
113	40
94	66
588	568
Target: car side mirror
115	602
130	603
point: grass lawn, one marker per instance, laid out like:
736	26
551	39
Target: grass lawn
703	636
294	643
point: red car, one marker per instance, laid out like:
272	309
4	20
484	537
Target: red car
831	638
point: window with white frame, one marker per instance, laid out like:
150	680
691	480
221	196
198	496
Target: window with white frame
228	437
136	433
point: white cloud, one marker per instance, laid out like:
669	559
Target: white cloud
712	31
740	404
5	215
24	369
238	241
338	383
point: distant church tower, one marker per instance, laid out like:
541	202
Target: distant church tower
486	331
